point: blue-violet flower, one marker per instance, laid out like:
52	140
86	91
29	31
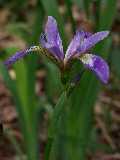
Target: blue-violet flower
82	42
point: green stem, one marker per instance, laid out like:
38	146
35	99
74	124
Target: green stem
59	109
52	129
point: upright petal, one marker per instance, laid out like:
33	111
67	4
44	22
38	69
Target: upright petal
97	65
51	38
92	40
52	33
76	43
53	50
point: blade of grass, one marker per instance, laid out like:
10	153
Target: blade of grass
25	84
21	83
86	4
28	73
69	142
97	13
69	12
115	60
32	143
108	14
29	112
25	111
24	121
13	140
79	3
11	85
32	59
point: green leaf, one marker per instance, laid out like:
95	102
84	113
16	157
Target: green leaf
107	14
86	4
21	84
76	122
14	142
25	88
95	145
32	59
27	123
79	3
11	84
53	86
69	12
19	29
97	12
115	61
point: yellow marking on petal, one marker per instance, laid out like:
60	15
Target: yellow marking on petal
34	48
87	59
44	52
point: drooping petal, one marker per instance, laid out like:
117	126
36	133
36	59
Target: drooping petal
76	42
19	55
15	57
51	38
97	65
92	40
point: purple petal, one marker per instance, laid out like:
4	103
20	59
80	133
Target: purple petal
76	42
19	55
92	40
15	58
53	50
97	65
51	39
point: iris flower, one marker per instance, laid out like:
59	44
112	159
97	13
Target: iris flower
79	48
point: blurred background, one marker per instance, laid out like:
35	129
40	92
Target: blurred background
35	81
